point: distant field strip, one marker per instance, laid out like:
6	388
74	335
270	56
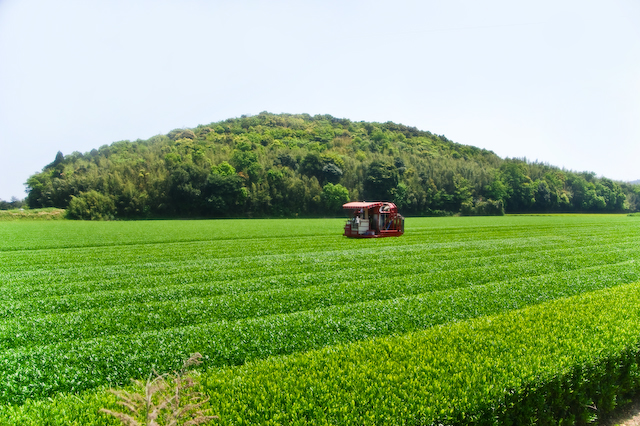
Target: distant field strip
85	304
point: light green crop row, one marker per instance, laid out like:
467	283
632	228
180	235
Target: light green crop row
135	312
83	265
103	302
72	234
285	268
84	364
566	361
326	265
142	242
557	362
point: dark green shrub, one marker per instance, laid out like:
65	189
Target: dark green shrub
91	205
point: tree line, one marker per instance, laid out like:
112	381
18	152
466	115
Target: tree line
15	203
285	165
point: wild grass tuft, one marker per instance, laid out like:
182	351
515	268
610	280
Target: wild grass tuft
164	399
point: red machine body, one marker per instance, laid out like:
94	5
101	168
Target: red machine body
373	219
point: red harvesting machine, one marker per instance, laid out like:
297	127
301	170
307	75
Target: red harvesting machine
373	219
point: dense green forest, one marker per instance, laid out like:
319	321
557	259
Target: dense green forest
301	165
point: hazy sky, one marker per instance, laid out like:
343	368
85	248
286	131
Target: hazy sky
557	81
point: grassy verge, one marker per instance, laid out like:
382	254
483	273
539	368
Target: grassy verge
49	213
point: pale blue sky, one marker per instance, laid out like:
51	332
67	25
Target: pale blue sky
556	81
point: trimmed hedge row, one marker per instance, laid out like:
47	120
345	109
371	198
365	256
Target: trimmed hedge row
46	273
568	361
84	364
136	312
75	319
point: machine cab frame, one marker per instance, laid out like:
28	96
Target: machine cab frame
372	219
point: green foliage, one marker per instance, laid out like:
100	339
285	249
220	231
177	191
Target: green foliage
568	361
222	193
331	173
425	174
12	205
90	304
223	169
243	160
334	196
521	191
483	208
91	205
381	180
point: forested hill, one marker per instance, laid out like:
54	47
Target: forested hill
302	165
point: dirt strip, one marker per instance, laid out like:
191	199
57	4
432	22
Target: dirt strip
629	415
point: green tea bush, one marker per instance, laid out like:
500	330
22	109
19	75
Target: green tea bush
79	364
84	305
567	361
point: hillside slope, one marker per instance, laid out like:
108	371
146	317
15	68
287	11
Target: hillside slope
302	165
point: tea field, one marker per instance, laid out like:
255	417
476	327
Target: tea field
476	320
